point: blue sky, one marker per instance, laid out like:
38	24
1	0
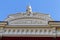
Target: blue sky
51	7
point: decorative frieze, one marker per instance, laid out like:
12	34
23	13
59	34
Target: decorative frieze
28	22
29	31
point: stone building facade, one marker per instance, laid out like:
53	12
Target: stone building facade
29	24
